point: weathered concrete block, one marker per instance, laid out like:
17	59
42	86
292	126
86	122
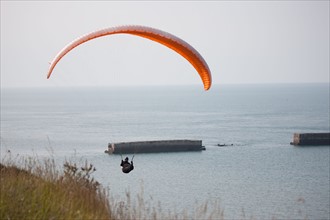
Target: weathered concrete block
311	139
155	146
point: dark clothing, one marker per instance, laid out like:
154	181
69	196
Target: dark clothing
127	166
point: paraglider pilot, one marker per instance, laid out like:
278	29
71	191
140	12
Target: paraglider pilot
126	165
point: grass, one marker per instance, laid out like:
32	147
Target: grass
34	189
42	192
139	208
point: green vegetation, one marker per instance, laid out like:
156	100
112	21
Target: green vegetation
34	189
40	192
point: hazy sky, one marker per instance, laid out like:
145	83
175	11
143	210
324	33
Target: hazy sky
242	42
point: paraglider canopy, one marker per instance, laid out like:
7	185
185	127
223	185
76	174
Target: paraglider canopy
167	39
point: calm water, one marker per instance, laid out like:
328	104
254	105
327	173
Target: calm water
261	175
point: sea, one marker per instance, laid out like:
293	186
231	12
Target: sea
258	174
